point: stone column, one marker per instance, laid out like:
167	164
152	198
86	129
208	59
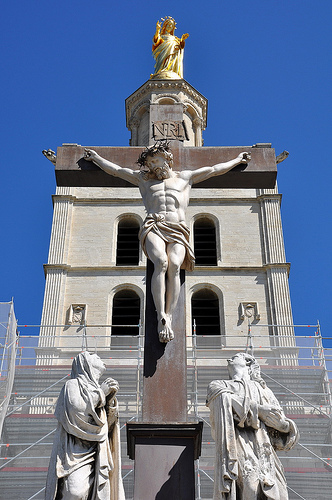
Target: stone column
197	123
56	270
133	125
277	271
165	365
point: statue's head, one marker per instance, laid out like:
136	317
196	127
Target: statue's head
168	27
88	365
156	161
247	364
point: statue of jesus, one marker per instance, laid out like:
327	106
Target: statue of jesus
164	235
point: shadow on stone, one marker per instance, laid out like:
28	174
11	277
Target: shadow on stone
181	483
153	349
86	165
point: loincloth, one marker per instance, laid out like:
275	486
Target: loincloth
169	232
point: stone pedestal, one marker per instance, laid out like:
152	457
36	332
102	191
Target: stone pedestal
164	457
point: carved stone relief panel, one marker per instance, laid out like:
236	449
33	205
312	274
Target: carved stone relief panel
77	314
249	310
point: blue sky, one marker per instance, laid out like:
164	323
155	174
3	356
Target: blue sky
264	65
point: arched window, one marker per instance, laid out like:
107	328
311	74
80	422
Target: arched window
126	311
208	319
127	250
205	242
205	312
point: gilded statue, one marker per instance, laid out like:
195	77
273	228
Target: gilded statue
167	49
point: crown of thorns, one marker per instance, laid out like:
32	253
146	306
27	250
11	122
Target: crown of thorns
157	148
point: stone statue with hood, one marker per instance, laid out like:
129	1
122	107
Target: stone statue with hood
85	462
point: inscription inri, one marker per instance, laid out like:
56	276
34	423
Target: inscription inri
169	130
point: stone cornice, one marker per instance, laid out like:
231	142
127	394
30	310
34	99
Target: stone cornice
201	200
270	196
55	267
277	265
68	197
73	269
137	200
211	269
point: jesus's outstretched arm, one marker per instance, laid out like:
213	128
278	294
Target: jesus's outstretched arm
203	173
111	168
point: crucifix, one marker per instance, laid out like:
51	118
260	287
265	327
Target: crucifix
165	177
164	235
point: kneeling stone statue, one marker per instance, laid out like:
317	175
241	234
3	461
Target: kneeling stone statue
248	424
85	462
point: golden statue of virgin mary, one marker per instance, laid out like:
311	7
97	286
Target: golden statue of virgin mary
167	49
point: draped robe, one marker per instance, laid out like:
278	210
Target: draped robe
168	55
169	232
86	435
245	458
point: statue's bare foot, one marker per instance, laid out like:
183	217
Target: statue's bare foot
165	331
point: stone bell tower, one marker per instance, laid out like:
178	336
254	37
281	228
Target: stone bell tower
240	271
166	109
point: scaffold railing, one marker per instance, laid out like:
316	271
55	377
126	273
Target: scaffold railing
8	346
298	370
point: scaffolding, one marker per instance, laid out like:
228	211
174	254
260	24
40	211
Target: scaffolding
8	346
297	368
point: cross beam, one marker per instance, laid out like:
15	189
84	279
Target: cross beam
73	170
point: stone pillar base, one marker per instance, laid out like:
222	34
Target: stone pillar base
164	457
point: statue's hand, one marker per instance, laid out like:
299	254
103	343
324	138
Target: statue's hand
90	154
244	157
268	413
158	27
273	417
110	387
185	36
283	426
